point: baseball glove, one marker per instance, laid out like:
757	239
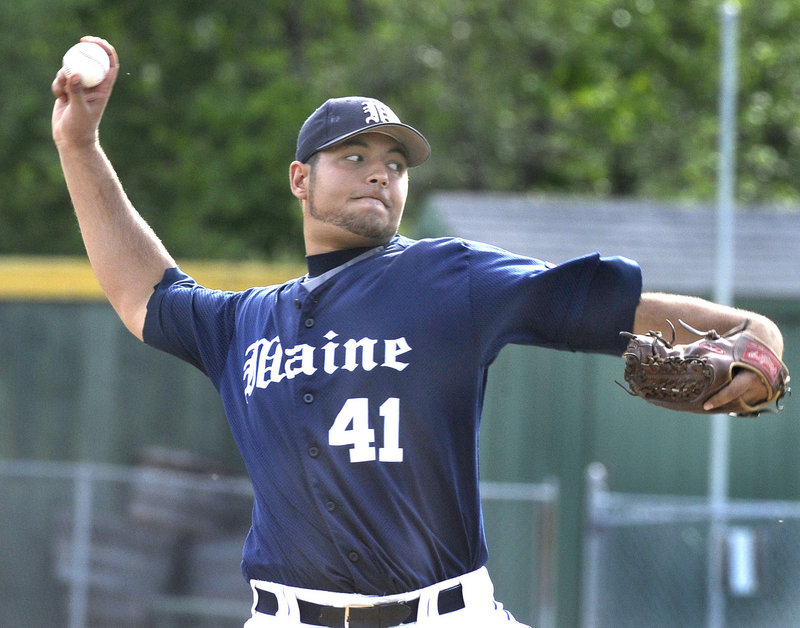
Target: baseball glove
683	377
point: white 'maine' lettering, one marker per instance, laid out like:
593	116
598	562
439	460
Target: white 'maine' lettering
267	362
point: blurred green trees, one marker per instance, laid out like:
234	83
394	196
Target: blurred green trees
600	97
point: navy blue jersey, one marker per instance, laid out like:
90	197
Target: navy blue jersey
355	397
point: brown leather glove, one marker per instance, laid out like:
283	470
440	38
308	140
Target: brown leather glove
683	377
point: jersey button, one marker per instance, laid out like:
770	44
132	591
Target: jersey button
353	556
308	398
309	322
313	451
330	506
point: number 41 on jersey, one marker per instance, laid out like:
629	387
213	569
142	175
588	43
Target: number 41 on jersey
351	428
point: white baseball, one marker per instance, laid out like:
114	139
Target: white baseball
89	60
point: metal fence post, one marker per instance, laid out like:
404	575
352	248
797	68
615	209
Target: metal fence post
596	486
81	546
547	545
723	293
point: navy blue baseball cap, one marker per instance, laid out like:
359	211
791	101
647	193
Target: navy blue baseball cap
341	118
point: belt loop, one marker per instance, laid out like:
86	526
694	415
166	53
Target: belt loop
273	600
428	604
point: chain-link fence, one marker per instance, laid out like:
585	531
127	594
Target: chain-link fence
159	545
663	561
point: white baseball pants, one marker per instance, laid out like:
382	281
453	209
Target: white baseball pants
480	610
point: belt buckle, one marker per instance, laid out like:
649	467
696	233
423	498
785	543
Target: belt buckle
347	612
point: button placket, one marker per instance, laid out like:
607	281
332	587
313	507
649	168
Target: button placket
328	505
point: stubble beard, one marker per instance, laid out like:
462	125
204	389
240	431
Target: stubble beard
365	225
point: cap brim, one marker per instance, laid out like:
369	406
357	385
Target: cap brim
416	146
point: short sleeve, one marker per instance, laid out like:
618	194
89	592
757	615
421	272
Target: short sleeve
578	305
191	322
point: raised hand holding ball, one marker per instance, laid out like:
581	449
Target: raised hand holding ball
89	60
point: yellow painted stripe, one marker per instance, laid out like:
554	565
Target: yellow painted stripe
70	279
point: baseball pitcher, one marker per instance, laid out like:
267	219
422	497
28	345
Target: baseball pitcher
354	393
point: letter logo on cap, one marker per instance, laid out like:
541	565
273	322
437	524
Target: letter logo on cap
378	113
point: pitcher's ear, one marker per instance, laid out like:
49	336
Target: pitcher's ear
299	174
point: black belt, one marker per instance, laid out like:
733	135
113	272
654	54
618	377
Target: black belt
354	616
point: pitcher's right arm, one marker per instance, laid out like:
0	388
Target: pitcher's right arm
127	257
